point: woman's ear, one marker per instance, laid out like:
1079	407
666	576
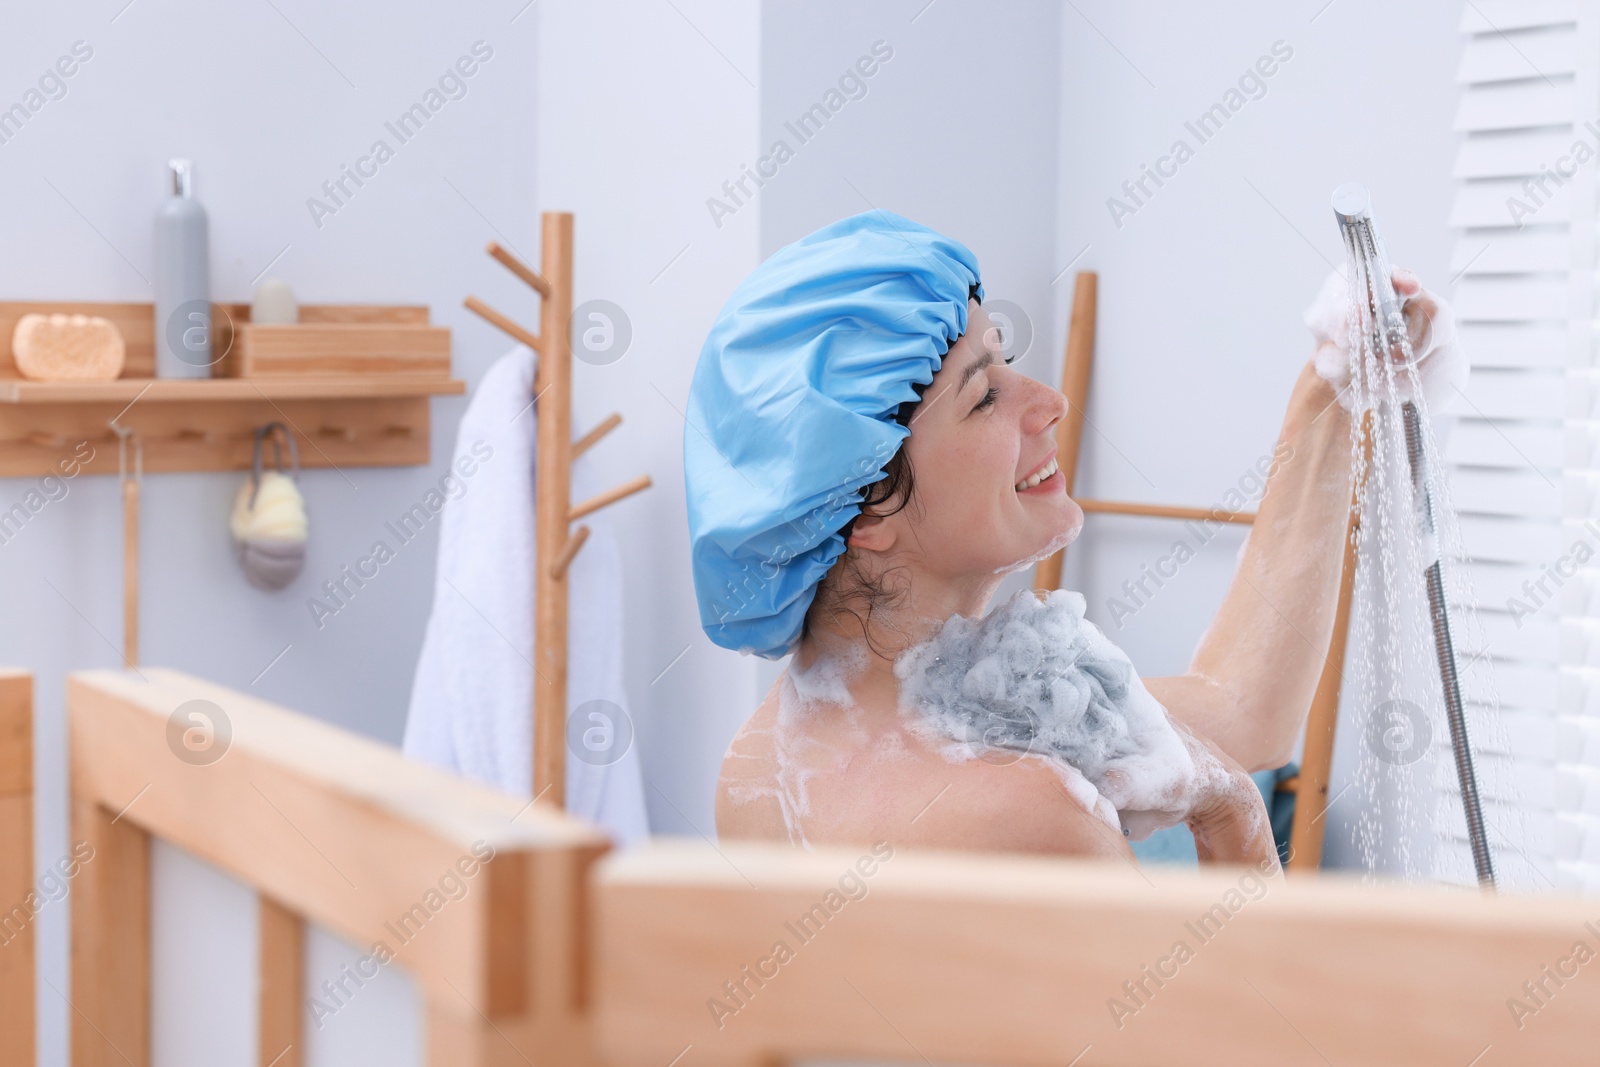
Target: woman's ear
872	533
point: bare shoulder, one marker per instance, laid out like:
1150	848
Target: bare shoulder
881	781
748	801
1003	806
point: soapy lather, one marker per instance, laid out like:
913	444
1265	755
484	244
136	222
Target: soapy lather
1036	677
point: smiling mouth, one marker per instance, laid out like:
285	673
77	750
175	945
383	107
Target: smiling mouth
1043	473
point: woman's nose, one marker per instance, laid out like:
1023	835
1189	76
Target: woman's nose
1046	406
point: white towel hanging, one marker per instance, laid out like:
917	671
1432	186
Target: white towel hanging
472	698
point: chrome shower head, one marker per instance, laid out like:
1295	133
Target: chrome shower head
1352	206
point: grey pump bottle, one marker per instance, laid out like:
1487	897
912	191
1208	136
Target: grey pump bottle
183	281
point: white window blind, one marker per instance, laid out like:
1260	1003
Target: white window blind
1525	451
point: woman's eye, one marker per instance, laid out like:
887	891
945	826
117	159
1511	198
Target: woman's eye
988	398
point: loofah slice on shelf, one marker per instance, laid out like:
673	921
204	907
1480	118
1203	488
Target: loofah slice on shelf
56	348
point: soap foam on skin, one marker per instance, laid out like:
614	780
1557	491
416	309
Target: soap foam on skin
1035	676
1060	541
1033	679
826	680
819	688
788	783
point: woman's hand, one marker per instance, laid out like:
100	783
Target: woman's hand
1227	817
1218	800
1430	327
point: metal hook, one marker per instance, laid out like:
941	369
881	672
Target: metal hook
272	431
123	434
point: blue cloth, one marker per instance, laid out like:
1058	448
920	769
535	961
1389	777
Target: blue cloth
792	411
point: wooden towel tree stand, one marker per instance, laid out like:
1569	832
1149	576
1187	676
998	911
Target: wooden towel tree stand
1311	785
557	543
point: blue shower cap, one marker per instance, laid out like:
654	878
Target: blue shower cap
793	411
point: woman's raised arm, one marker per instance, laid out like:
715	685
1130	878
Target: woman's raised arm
1250	683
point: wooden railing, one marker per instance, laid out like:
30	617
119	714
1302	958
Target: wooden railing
755	954
19	897
686	953
477	894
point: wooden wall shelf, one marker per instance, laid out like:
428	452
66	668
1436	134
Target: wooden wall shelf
375	419
171	390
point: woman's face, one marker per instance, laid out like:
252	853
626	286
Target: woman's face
981	430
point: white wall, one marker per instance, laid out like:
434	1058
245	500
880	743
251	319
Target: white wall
269	101
204	958
643	111
1201	290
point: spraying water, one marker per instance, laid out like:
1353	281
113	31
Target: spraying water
1413	594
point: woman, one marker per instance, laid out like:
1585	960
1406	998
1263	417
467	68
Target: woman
861	464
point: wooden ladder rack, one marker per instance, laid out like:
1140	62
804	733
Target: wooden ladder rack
557	543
